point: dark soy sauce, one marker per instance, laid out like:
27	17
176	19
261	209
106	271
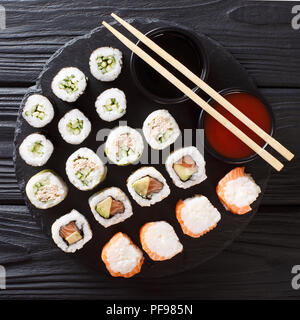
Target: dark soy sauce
184	50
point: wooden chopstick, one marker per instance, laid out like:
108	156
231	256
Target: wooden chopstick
198	100
209	90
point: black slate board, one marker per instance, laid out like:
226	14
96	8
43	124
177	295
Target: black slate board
225	72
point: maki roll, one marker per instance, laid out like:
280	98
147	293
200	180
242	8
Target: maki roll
124	145
111	104
106	63
74	127
160	129
46	189
160	241
110	206
36	149
69	84
71	231
237	191
147	186
122	257
85	169
186	167
197	216
38	111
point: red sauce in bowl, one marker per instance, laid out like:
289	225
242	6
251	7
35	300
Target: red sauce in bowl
222	140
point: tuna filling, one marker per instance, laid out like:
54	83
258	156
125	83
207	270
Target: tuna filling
70	233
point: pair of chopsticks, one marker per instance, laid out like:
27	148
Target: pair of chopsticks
198	100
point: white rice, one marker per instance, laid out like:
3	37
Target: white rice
107	108
38	111
96	64
36	150
156	197
51	190
82	225
74	127
116	194
160	129
85	169
197	177
75	77
124	145
199	215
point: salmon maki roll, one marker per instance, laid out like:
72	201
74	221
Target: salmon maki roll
160	241
122	257
197	216
237	191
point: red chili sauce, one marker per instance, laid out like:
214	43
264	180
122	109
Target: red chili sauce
226	143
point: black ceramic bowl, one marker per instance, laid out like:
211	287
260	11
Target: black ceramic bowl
219	156
185	47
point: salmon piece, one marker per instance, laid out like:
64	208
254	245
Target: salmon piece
188	162
232	175
68	229
116	207
154	186
154	256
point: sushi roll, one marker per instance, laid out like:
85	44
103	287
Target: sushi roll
237	191
71	231
111	104
160	241
38	111
46	189
124	145
106	63
69	84
197	216
122	257
36	149
186	167
110	206
85	169
147	186
74	127
160	129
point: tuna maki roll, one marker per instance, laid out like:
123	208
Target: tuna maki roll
85	169
74	127
38	111
160	129
124	145
46	189
36	150
69	84
147	186
110	206
106	63
111	104
71	232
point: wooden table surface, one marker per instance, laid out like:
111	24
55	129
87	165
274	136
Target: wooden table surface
258	263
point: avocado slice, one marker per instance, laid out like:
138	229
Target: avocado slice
141	186
103	207
183	173
74	237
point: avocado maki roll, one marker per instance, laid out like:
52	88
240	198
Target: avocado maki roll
106	63
74	127
85	169
110	206
38	111
36	149
111	104
69	84
46	189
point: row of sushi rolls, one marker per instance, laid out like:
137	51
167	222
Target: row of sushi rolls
124	145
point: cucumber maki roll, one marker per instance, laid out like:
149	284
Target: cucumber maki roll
106	63
36	149
74	127
46	189
111	104
69	84
38	111
85	169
